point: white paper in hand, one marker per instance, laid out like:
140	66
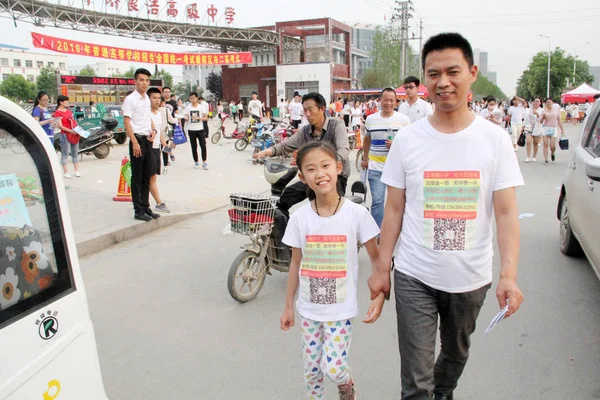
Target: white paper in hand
496	320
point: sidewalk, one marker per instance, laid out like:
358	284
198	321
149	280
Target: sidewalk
99	222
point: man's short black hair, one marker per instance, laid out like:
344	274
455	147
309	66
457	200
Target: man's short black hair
254	93
153	90
296	94
445	41
388	89
193	94
412	79
317	97
91	102
491	98
596	97
141	71
165	88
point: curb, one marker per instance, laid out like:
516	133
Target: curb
103	241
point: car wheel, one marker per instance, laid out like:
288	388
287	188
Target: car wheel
568	242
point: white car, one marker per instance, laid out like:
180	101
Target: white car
579	201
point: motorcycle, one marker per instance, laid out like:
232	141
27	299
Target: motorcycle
253	132
99	141
238	132
258	217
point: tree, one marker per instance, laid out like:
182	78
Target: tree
533	81
385	54
87	71
16	88
214	84
483	87
46	81
166	77
130	73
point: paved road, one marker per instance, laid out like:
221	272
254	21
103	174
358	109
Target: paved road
167	329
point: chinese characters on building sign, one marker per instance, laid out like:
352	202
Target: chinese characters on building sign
140	56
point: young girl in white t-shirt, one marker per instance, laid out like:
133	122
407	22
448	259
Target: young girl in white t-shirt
323	235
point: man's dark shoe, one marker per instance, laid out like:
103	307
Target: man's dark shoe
437	396
151	214
142	216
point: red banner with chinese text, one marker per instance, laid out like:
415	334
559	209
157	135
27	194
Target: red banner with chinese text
142	56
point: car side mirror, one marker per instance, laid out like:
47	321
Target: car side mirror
592	169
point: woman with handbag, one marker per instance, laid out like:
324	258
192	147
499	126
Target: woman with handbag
69	139
551	121
534	130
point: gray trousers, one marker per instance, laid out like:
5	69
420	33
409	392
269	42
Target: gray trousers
417	309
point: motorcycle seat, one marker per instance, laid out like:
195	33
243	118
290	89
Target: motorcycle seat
356	199
109	123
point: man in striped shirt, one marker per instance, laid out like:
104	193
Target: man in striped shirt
380	130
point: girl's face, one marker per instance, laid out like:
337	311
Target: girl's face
357	104
65	104
549	103
537	103
320	172
44	100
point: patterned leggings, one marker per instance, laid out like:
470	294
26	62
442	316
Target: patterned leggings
325	347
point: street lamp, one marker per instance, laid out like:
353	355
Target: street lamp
548	87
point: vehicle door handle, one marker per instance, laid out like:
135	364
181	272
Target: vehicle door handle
573	165
591	185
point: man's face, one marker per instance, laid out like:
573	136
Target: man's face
449	79
193	99
412	91
313	112
254	97
155	100
142	82
388	102
166	94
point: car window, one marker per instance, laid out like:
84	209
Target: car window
33	259
593	142
589	123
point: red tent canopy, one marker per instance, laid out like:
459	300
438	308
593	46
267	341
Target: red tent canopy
422	91
579	94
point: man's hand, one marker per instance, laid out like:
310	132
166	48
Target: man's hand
364	164
508	289
379	282
151	135
388	144
262	154
137	150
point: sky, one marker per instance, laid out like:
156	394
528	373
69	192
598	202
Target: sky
507	30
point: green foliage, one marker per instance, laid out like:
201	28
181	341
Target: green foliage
166	77
214	84
386	61
129	73
46	81
483	87
87	71
16	88
533	81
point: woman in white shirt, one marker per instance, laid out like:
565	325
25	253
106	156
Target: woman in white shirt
356	114
533	129
346	112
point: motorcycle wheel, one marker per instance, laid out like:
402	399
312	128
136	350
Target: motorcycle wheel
121	139
215	137
359	156
241	144
245	272
102	151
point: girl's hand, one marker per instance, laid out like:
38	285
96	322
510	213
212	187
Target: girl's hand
287	319
375	309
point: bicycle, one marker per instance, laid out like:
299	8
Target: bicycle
11	142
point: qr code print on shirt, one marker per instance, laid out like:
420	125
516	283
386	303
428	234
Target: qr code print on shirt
322	290
449	234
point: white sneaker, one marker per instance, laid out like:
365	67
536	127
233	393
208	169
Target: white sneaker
533	159
77	174
67	176
527	159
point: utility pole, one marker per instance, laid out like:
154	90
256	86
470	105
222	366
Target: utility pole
402	14
421	50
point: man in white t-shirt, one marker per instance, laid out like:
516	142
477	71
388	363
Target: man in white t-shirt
160	122
415	107
448	176
516	112
380	129
195	115
282	109
296	110
255	107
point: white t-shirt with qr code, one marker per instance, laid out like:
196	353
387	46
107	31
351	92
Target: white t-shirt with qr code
329	269
450	179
